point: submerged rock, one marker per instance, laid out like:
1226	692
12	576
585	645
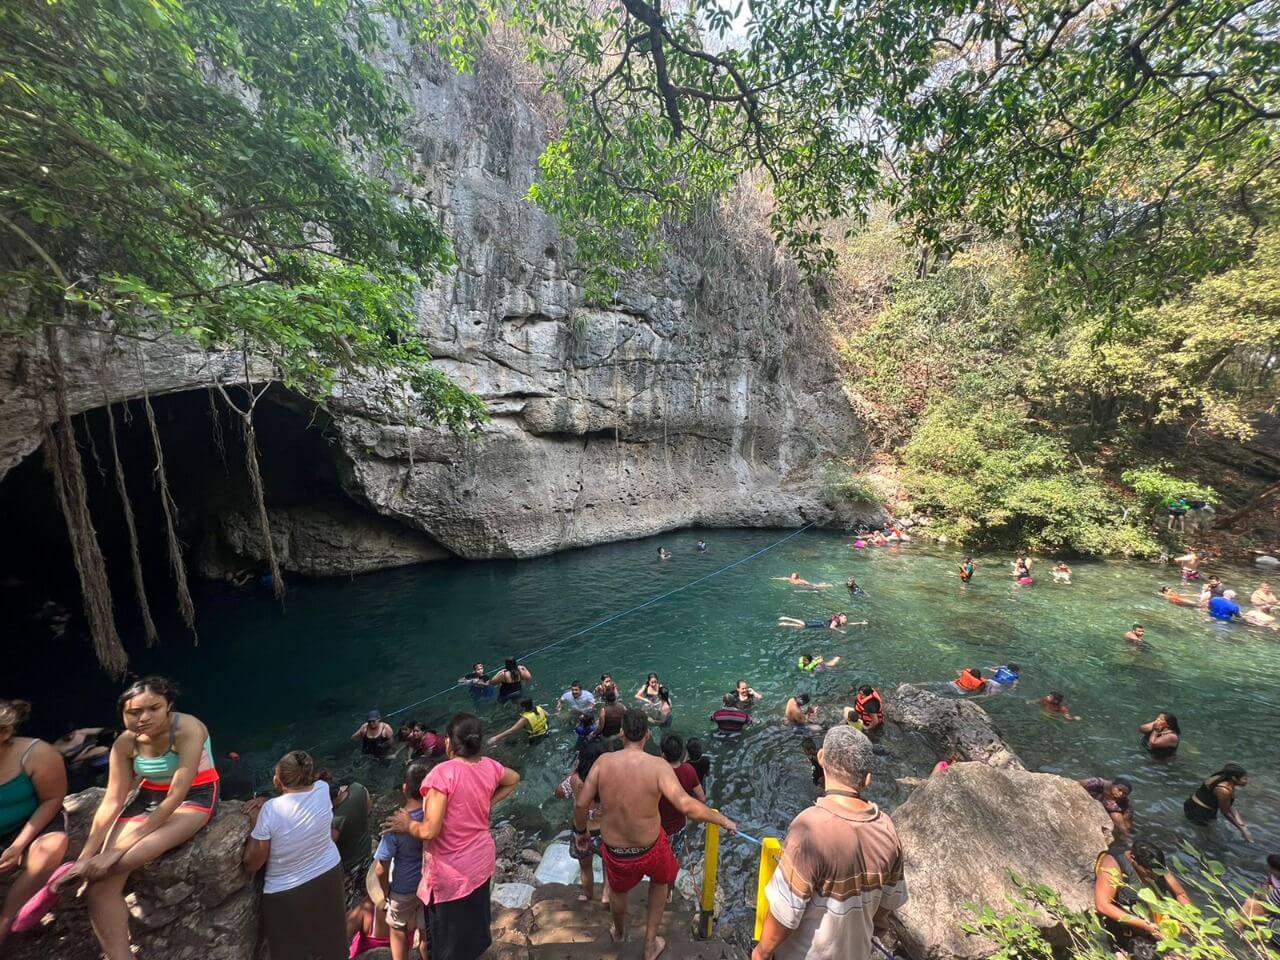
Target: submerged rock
194	903
965	830
955	726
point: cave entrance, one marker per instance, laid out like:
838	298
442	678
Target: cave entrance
41	611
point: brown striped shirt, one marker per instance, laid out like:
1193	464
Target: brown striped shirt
838	869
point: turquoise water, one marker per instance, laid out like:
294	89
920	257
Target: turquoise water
266	680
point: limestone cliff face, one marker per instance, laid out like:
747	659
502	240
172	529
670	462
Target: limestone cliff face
702	395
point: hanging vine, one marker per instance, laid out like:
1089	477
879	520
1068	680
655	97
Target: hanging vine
63	458
254	471
176	562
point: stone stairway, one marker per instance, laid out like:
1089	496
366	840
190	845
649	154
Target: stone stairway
556	926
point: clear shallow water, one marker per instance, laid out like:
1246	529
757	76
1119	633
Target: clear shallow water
266	681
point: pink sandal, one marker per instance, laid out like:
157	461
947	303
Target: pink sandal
44	900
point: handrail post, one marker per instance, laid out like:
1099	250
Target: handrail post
706	926
770	855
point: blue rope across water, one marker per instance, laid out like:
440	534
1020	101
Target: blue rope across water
606	620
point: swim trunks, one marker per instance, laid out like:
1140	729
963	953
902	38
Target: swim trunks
625	868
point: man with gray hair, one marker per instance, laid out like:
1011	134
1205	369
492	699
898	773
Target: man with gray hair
841	870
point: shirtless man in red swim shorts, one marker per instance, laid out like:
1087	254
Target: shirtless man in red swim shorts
628	783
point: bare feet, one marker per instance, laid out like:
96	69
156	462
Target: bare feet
653	950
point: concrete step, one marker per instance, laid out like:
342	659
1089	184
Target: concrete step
558	922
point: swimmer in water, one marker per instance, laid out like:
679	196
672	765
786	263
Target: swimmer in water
1161	736
966	569
745	696
1003	677
969	681
833	622
702	546
1022	570
664	553
1263	598
798	581
1176	598
799	712
809	747
1136	634
1061	573
1189	563
812	664
1054	703
854	589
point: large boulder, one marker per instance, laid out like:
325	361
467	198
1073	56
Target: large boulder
954	726
965	830
194	903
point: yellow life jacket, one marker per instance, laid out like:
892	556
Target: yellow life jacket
537	720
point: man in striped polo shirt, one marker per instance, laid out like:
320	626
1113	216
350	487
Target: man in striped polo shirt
841	870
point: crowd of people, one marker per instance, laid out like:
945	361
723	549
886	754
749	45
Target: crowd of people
334	881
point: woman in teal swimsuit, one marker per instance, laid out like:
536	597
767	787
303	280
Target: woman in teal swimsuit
168	756
33	825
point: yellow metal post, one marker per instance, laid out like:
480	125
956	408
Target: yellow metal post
710	869
770	854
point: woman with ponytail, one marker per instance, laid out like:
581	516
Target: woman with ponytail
461	856
302	896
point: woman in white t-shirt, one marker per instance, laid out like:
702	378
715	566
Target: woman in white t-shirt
302	897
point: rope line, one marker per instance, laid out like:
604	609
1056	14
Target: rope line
619	616
594	626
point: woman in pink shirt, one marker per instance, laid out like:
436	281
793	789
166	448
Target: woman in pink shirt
458	852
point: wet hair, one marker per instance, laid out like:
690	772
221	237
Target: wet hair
847	753
526	705
664	694
1230	771
1013	667
672	747
634	725
1172	722
730	699
802	699
588	754
1148	855
296	769
414	773
466	734
1273	862
610	694
974	672
1123	784
477	665
650	678
866	689
1055	697
157	685
1138	626
1164	589
513	665
13	712
807	656
740	682
809	744
575	683
693	746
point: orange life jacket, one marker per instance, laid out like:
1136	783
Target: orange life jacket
869	717
967	681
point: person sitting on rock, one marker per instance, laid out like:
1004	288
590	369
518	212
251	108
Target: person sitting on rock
33	825
1119	875
1054	703
178	794
868	709
1114	797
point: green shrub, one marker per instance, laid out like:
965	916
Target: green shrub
1214	927
1155	487
995	480
841	484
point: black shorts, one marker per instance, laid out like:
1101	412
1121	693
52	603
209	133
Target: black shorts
202	796
57	825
